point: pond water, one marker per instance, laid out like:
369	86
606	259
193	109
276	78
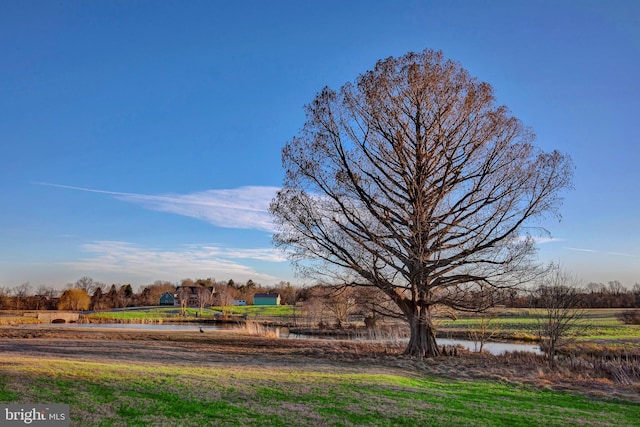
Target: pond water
496	348
183	327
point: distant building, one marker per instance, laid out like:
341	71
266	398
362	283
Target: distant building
194	295
266	299
167	298
239	302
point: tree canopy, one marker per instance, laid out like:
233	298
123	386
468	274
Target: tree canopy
414	180
74	299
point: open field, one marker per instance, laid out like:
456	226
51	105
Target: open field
168	314
597	325
222	378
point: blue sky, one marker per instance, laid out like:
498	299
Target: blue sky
141	141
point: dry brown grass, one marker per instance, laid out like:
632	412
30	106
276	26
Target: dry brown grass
17	319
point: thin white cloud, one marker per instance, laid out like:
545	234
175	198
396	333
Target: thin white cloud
539	239
264	254
612	253
124	259
243	207
543	240
622	254
581	249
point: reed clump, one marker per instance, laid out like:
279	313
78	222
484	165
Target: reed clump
261	329
621	369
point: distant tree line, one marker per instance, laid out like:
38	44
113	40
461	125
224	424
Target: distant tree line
594	295
87	294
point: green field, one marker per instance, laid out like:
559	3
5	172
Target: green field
143	394
175	313
258	310
151	314
520	324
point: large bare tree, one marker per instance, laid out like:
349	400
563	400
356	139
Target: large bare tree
413	180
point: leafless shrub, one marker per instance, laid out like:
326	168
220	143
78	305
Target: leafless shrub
486	330
559	298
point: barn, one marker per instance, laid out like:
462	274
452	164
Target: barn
266	299
167	298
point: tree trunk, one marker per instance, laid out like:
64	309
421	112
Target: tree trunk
422	342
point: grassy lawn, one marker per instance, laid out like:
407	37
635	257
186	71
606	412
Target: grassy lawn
146	314
252	311
143	394
174	313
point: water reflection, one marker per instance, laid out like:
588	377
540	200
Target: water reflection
496	348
